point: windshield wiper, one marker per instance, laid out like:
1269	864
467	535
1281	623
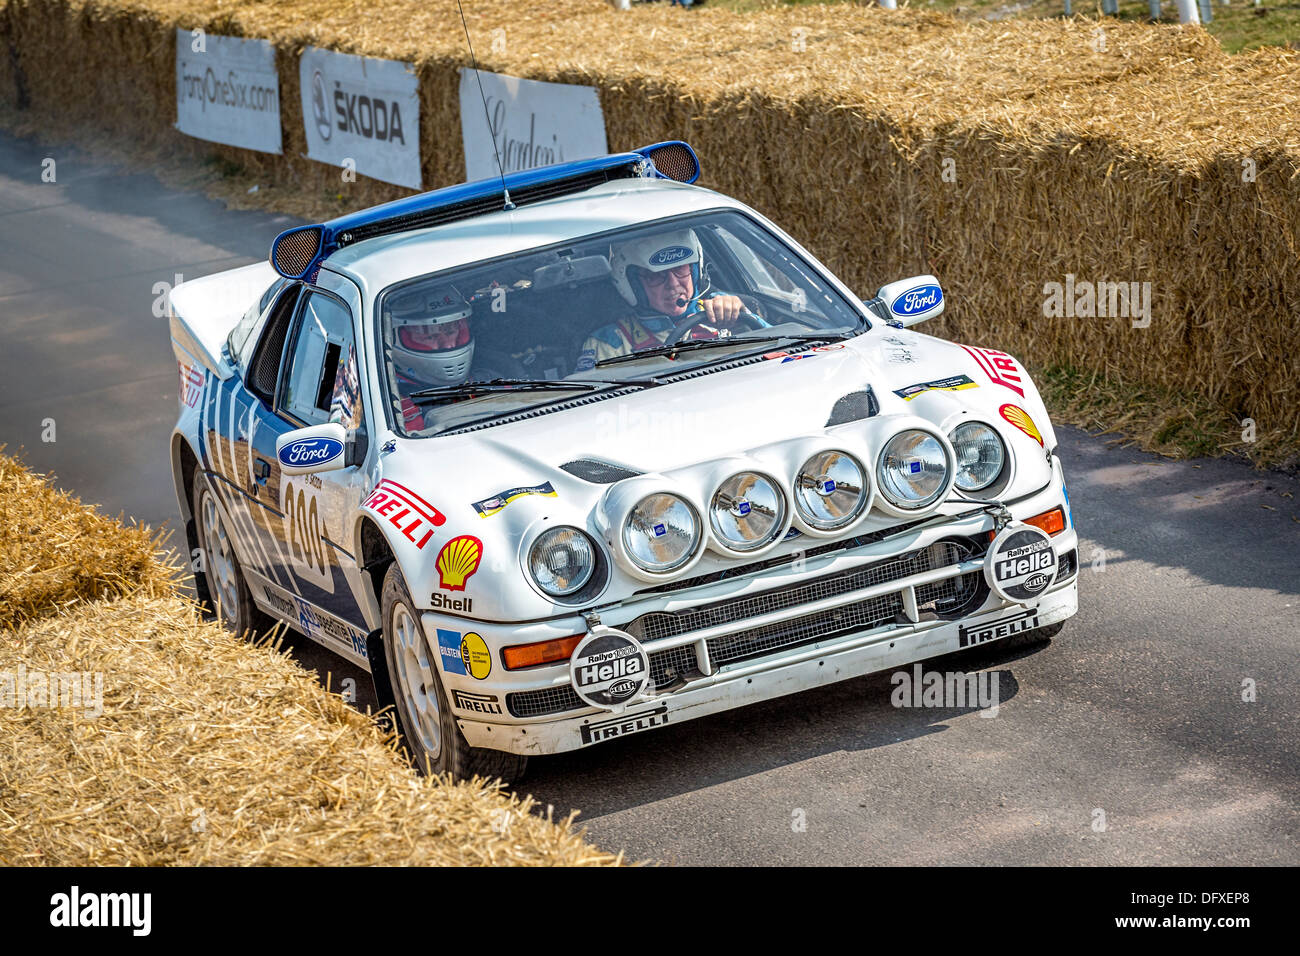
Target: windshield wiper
693	345
471	389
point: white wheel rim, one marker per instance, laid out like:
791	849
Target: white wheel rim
416	676
220	560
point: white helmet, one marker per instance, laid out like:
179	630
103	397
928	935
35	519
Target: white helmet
665	250
434	348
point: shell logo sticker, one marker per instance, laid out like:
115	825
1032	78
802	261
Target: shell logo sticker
1020	418
476	656
457	561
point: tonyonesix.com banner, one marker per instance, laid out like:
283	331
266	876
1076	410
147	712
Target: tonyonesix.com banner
227	90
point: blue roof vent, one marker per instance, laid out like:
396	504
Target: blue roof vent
297	253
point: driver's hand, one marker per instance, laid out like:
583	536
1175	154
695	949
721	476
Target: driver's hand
722	309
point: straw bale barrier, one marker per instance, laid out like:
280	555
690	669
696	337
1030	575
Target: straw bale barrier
1150	157
56	552
134	733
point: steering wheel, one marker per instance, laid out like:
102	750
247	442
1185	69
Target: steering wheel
752	322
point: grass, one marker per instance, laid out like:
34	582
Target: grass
1239	25
1154	419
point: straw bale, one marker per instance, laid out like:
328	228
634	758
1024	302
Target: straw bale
211	751
1119	164
56	552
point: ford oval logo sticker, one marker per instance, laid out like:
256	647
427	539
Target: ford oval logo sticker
920	299
310	452
672	254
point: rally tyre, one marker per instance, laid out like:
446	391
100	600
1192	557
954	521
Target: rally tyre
228	594
425	720
1039	635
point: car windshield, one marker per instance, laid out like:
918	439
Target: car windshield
617	309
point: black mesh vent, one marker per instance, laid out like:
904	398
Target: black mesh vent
854	407
294	252
715	576
1069	565
597	472
266	367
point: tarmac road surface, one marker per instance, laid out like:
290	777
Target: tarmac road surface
1160	727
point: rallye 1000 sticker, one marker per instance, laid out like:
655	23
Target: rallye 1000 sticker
1021	563
609	669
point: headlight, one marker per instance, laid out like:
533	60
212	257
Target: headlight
562	561
830	490
747	511
661	533
980	455
913	470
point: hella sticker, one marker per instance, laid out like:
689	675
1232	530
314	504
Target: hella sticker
310	452
1021	563
609	669
920	299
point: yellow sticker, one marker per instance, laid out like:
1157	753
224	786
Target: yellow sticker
478	659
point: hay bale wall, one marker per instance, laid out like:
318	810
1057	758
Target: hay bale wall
133	733
1151	157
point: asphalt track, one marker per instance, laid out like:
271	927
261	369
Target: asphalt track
1125	741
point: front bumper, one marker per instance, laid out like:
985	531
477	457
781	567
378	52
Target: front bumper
690	662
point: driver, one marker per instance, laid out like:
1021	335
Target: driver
431	349
659	277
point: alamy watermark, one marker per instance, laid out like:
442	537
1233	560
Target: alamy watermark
952	690
75	689
1085	300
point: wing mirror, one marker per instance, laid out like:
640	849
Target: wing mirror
327	447
908	301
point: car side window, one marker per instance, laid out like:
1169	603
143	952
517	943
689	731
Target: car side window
322	384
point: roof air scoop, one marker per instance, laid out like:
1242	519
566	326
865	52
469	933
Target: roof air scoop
673	160
294	252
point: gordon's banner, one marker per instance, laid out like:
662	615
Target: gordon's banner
227	91
532	123
362	114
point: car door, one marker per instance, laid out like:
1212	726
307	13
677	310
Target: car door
233	413
318	383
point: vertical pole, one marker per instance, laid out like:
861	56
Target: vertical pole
1187	11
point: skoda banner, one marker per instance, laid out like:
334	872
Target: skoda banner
227	91
362	114
531	123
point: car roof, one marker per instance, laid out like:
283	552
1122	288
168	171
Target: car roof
375	264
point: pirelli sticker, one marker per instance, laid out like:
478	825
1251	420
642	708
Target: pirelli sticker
953	383
594	733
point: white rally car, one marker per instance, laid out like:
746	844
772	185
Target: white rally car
589	450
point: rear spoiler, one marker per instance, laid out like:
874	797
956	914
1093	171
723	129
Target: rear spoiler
297	253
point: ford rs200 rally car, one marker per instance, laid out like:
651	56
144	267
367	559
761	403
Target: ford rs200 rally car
589	450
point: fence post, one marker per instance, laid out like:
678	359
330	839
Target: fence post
1187	11
1155	9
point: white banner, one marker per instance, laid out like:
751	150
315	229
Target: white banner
533	123
227	91
362	114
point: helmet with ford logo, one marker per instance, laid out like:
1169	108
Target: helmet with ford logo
655	253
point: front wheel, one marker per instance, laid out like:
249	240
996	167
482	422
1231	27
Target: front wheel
228	592
424	718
